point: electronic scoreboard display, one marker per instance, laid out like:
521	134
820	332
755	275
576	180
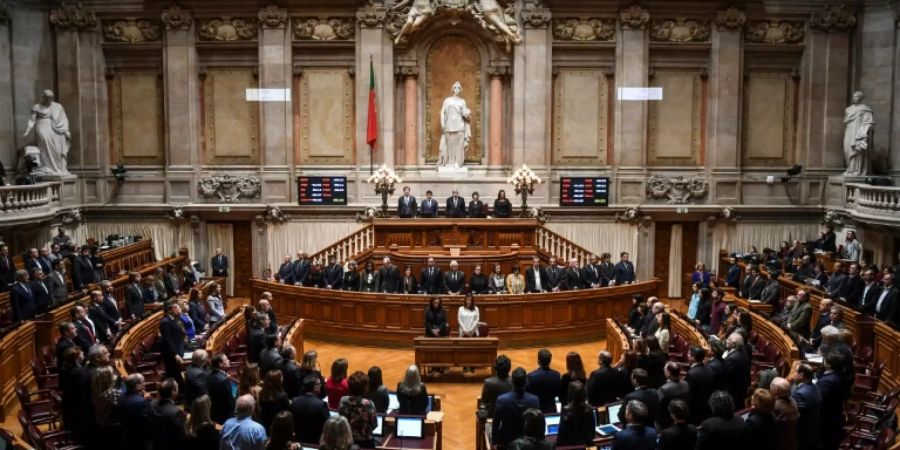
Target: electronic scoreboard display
322	190
581	191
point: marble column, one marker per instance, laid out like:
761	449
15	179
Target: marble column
877	46
725	80
410	116
495	124
276	116
82	86
374	44
632	63
532	90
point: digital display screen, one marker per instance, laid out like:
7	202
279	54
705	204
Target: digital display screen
410	427
322	190
613	412
552	424
581	191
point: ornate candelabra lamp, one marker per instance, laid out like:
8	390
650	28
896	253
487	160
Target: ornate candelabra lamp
384	180
523	180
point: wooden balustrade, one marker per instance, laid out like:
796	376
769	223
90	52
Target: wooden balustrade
294	336
350	247
17	349
616	339
882	201
127	258
134	336
553	244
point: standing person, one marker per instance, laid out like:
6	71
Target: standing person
554	276
21	299
134	296
624	270
456	206
241	432
832	388
310	412
515	282
603	386
56	283
536	276
350	278
376	391
680	435
496	385
310	366
436	319
694	303
219	264
408	283
412	393
648	397
723	429
533	435
285	271
576	425
368	279
336	385
574	372
717	312
336	435
852	249
700	275
759	427
197	377
105	398
508	423
662	333
282	434
497	281
171	329
591	273
786	415
301	269
406	205
809	403
166	419
454	279
429	208
502	206
272	398
8	269
359	411
333	274
431	279
700	379
477	210
801	315
478	282
132	413
573	278
674	389
196	311
219	387
200	431
467	317
41	291
543	382
737	368
636	435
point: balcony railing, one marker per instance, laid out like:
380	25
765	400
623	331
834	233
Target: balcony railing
882	201
34	198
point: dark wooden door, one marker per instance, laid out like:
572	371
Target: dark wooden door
243	258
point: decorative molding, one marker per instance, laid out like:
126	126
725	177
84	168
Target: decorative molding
274	214
498	71
663	146
228	29
537	17
408	71
679	30
73	16
584	29
756	129
318	145
835	218
832	18
315	29
125	126
775	32
677	190
272	17
176	215
730	19
228	188
371	16
634	18
410	17
176	18
225	144
132	31
73	217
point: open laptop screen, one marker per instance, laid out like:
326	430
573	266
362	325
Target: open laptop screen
552	421
410	427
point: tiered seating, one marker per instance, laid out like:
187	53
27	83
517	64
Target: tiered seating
870	422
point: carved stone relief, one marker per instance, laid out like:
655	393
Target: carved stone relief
833	18
679	30
678	189
731	19
228	188
132	31
776	32
408	17
635	17
315	29
371	15
537	17
73	16
584	29
228	29
176	18
272	17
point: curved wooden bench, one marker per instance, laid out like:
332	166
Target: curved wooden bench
17	349
223	333
616	339
294	336
887	349
682	327
777	337
134	336
394	320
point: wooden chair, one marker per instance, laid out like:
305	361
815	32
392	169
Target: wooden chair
483	329
37	406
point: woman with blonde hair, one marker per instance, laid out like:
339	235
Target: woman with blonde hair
248	382
199	430
310	366
336	435
412	393
105	398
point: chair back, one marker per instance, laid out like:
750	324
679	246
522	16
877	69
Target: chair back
483	329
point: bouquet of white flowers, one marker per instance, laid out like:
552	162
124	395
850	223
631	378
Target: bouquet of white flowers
524	179
384	176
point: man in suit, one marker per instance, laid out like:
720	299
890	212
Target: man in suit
218	386
535	276
196	377
890	295
31	260
831	419
591	271
406	205
573	278
771	294
219	264
852	291
871	292
454	279
56	283
604	383
286	271
607	269
83	272
681	434
170	281
44	259
85	337
388	277
134	296
648	397
456	206
555	275
293	379
7	269
431	281
429	207
543	382
38	285
172	346
21	298
636	435
737	369
132	411
166	419
836	283
733	277
624	270
103	324
67	333
496	385
309	411
809	403
256	338
270	359
301	268
701	383
824	320
334	273
801	315
753	285
674	389
508	423
110	304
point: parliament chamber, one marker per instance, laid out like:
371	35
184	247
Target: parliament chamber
449	224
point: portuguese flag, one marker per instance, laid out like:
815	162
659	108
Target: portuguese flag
372	127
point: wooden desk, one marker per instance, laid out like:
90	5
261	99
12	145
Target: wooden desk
294	336
887	349
231	326
394	443
455	352
17	349
777	337
687	331
137	333
616	339
127	258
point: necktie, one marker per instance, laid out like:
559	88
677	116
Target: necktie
90	331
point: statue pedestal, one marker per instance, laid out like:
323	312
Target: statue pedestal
453	172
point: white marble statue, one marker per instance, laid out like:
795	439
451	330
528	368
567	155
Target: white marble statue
51	134
493	14
859	122
455	128
419	12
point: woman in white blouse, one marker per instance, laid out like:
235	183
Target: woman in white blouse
468	317
216	310
662	334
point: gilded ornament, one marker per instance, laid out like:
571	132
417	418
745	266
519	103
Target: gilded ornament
731	19
176	18
775	32
635	17
679	30
584	29
272	17
73	16
315	29
833	18
131	31
228	29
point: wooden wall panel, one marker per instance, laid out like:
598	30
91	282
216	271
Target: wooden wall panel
231	123
768	125
136	117
326	116
580	117
674	128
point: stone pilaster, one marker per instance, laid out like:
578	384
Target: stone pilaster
374	44
725	80
532	76
495	123
410	76
894	148
182	93
82	85
632	61
7	108
275	73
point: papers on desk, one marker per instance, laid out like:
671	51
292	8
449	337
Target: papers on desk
607	430
814	358
756	302
187	356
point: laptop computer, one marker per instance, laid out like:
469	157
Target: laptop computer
379	426
410	427
393	403
552	424
608	427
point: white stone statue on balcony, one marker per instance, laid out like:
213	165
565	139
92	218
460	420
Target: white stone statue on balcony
51	134
456	131
860	123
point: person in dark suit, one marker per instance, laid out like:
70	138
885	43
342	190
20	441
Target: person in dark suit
508	423
431	280
103	324
536	276
309	411
31	260
477	209
301	269
7	269
544	382
40	290
110	305
406	205
648	397
771	294
827	240
701	383
196	382
408	282
454	279
219	264
456	206
350	278
270	359
554	275
673	389
67	333
624	270
334	273
219	388
853	288
889	301
479	282
436	319
83	270
607	269
603	384
132	412
871	292
636	435
56	283
388	277
832	388
680	435
502	205
801	315
316	277
166	419
22	299
737	369
171	329
264	305
753	285
293	381
496	385
429	207
134	296
256	337
285	271
84	330
835	284
573	277
576	425
592	275
759	427
723	429
809	403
